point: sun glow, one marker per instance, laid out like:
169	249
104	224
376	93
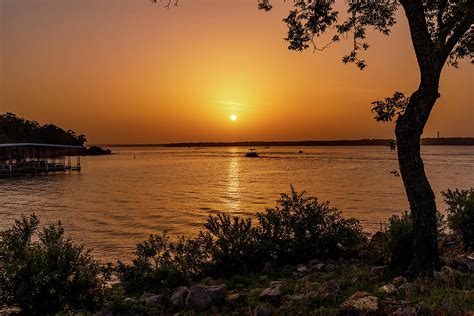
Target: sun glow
233	117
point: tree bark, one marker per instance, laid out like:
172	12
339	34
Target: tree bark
408	131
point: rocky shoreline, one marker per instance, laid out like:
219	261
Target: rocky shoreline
321	287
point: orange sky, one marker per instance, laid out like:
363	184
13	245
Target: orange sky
127	71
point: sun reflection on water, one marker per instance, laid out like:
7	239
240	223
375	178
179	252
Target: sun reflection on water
233	183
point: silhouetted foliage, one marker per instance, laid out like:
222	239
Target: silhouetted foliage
15	129
162	264
44	272
299	228
461	214
399	234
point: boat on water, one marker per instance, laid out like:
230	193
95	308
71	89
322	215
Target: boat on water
252	153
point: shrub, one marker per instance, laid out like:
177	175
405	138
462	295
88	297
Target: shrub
301	228
399	237
297	229
44	272
461	214
160	264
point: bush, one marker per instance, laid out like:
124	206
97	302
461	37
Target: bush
44	272
160	264
297	229
396	241
301	228
399	236
461	214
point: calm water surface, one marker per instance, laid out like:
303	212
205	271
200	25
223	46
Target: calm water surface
116	201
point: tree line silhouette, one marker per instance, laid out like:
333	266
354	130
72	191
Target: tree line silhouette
15	129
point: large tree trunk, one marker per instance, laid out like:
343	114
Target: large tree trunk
408	130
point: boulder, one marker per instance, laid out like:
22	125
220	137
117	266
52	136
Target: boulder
273	291
261	310
151	299
178	298
218	293
469	313
399	281
198	298
448	308
360	303
388	289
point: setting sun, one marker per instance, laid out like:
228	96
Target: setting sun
233	117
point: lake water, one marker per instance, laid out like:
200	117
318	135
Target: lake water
117	200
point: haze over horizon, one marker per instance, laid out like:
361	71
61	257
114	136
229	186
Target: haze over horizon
128	71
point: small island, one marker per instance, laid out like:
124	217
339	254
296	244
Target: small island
96	151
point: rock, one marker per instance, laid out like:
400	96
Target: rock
10	311
234	299
128	300
261	310
218	293
178	298
302	269
448	274
198	298
317	267
360	303
151	299
448	308
465	262
406	288
399	281
331	290
388	288
469	313
273	291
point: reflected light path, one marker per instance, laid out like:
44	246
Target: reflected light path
233	182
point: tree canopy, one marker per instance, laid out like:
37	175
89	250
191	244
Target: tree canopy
14	129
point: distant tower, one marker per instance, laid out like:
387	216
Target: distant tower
438	134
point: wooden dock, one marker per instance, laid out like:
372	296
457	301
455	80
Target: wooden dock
33	158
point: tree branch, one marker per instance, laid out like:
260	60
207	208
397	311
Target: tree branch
457	33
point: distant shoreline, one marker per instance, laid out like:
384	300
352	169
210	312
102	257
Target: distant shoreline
445	141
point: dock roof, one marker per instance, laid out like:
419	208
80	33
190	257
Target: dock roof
11	145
